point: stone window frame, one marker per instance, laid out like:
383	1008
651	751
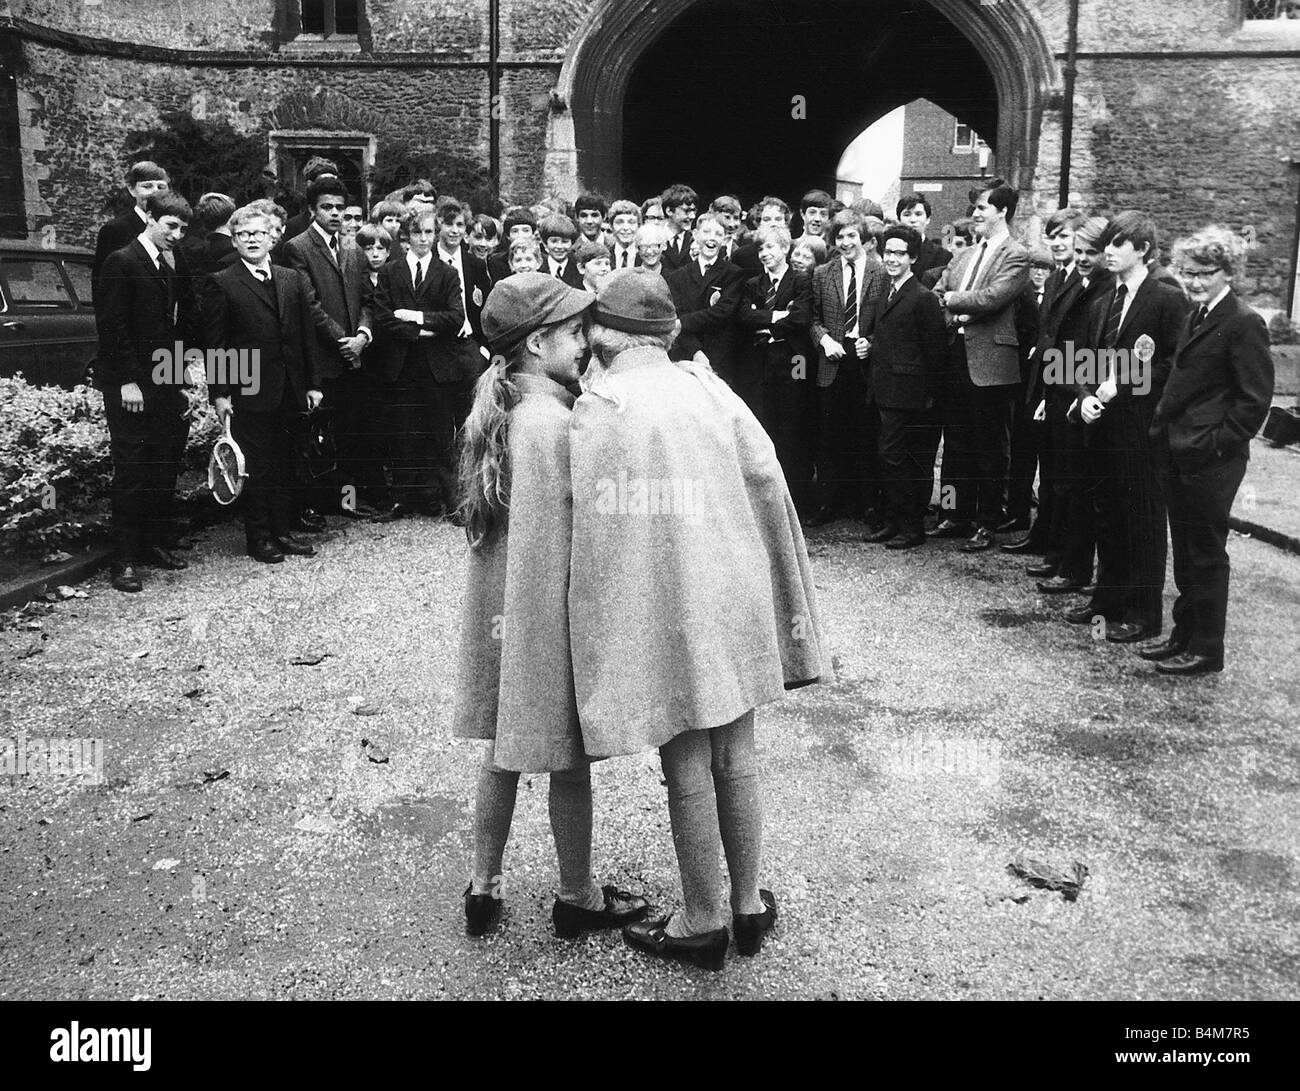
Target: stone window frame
278	140
1278	30
292	38
1283	11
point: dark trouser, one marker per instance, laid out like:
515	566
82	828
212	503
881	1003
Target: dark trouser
1071	535
146	448
270	458
746	378
426	415
976	443
1199	500
787	404
376	440
345	398
847	470
909	439
1026	439
1132	539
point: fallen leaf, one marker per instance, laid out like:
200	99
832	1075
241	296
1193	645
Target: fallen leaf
141	655
66	592
366	710
165	865
309	659
210	775
57	557
142	817
314	824
195	692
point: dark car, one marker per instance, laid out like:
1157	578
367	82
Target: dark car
47	318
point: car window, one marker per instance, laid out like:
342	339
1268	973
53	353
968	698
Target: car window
79	273
34	282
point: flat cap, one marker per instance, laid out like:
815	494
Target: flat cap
524	302
636	301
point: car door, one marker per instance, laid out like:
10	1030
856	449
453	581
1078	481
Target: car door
43	333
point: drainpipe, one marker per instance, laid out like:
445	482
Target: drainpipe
1067	109
494	93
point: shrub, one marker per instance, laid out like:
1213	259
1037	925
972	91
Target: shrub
55	465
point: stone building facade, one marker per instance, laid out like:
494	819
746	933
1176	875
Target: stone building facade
1183	107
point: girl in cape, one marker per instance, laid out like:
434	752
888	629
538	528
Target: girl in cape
515	676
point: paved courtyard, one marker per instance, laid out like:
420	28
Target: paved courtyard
245	843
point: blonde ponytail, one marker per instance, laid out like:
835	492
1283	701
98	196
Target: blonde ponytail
484	450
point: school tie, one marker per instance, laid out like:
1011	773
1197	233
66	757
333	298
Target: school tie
1111	337
262	275
623	264
1200	316
419	272
334	248
975	269
769	303
851	300
893	291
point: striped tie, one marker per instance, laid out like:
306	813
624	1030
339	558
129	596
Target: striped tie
851	300
1111	337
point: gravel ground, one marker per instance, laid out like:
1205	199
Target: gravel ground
245	845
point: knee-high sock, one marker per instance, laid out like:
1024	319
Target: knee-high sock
569	805
693	814
494	809
740	810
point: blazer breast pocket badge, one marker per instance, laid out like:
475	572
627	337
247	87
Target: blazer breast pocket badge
714	297
478	296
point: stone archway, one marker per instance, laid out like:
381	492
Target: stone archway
585	130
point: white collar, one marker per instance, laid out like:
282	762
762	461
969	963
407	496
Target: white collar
779	276
144	216
322	232
448	256
149	248
1135	278
706	266
413	261
899	283
1217	299
266	265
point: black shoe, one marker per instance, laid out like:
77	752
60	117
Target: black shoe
1013	526
1190	663
287	543
482	913
621	908
1130	632
981	540
1166	649
750	927
1082	615
1042	571
157	557
124	577
889	530
312	520
951	529
265	551
708	950
823	515
906	541
303	526
1023	545
1059	585
390	514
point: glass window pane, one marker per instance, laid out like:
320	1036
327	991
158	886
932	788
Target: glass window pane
34	282
345	16
313	16
79	273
